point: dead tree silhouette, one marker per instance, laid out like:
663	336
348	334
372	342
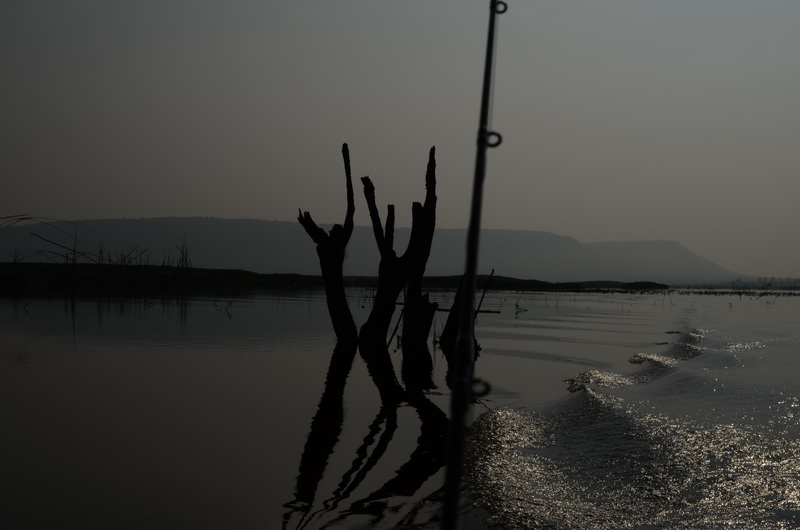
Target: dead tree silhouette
395	274
331	251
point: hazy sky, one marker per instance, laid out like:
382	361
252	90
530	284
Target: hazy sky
621	119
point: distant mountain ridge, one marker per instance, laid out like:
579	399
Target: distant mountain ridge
283	247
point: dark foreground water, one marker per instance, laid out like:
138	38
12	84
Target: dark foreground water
606	411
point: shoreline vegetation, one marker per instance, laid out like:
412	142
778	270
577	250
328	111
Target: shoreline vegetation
93	279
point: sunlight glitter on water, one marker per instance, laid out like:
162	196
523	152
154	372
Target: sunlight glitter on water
675	449
594	463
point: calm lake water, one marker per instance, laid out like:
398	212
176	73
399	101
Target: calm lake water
606	411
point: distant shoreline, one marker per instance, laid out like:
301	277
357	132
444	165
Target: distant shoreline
90	279
273	246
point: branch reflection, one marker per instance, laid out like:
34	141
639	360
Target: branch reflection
326	427
388	499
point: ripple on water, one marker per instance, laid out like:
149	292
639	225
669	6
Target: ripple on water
595	462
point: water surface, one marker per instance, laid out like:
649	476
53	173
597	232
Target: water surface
198	413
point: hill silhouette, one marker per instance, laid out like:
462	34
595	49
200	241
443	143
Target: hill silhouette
283	247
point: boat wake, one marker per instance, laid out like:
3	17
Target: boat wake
598	460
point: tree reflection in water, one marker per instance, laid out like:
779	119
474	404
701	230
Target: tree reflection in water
326	428
396	274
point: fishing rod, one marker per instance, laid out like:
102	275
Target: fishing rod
464	384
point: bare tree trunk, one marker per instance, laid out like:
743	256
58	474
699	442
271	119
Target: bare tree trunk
417	369
395	272
447	340
331	251
391	279
392	273
449	336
